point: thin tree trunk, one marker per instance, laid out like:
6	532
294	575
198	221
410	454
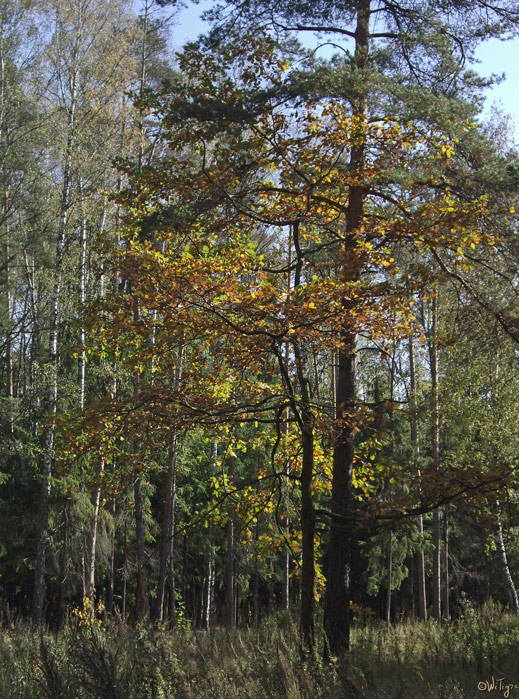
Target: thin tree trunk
96	491
285	562
184	571
229	568
101	226
255	579
92	533
285	556
167	540
172	590
307	542
5	203
420	556
420	568
306	424
208	590
39	576
435	450
511	590
63	569
389	578
110	577
35	331
446	589
236	595
166	545
9	333
142	601
125	570
142	610
82	296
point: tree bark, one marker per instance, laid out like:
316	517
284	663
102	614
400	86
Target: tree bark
305	419
112	388
208	590
166	544
110	576
338	583
446	588
255	579
420	556
167	539
511	590
229	568
63	568
92	533
172	589
142	610
4	219
9	332
39	575
435	450
389	578
82	296
308	534
285	556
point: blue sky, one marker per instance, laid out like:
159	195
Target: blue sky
502	57
495	57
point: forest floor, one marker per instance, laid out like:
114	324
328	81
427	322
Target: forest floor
475	656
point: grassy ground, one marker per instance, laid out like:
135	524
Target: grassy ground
477	656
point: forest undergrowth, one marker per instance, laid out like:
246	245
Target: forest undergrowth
474	656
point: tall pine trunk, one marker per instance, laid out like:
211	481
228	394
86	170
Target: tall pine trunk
338	583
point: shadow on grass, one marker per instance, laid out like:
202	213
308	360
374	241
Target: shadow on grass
474	657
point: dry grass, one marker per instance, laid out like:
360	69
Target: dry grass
408	661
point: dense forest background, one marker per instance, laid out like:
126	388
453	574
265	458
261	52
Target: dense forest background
259	316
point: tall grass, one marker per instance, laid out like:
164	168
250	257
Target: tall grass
115	661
